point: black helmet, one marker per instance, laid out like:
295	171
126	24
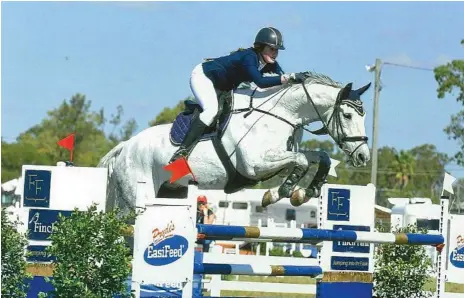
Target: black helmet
271	37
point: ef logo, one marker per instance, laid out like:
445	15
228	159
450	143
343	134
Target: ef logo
338	204
35	183
37	188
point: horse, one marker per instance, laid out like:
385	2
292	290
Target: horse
257	134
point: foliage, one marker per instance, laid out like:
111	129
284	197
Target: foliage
37	145
297	254
280	251
168	115
450	78
14	274
401	271
92	259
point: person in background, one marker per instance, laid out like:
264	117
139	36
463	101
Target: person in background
204	216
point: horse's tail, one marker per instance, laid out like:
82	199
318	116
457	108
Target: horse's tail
108	160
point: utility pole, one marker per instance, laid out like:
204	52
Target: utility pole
375	126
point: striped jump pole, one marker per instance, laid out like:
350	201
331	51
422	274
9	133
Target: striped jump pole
224	232
257	269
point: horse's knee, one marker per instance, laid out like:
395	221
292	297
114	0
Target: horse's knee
301	161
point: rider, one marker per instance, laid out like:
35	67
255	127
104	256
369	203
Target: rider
227	73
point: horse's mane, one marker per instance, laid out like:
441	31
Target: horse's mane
311	77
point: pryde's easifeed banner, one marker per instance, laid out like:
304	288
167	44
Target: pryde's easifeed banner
163	245
456	249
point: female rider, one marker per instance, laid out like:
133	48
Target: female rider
227	72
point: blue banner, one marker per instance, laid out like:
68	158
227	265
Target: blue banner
37	188
41	221
349	263
37	253
347	246
338	204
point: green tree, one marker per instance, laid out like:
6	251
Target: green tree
14	155
168	115
450	78
13	260
401	271
92	258
429	169
403	166
38	145
410	173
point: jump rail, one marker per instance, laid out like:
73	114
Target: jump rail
345	226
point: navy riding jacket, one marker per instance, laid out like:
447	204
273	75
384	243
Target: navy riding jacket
228	72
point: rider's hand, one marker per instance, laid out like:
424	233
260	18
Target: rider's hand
284	78
292	78
297	77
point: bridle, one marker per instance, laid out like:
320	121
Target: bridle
342	136
335	116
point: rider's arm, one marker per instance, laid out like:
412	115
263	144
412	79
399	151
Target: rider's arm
209	216
278	69
251	67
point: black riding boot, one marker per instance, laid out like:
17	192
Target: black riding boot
197	127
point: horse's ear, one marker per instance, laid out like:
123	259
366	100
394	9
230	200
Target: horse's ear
346	91
361	90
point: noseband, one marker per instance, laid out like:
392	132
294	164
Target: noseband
342	136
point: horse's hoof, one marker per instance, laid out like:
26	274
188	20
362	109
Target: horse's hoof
268	198
298	197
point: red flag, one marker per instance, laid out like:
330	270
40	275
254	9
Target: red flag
178	169
67	143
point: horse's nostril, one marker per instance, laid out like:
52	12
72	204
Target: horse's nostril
361	157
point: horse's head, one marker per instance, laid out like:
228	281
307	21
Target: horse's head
346	124
340	109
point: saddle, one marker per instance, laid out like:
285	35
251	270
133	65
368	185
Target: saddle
181	124
183	120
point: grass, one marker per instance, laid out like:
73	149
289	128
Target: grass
261	294
429	286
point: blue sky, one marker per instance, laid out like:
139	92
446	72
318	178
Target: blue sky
141	54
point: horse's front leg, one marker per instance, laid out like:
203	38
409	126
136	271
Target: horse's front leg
277	160
302	196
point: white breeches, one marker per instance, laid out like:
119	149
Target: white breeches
204	91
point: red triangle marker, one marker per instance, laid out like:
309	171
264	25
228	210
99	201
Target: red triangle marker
68	143
178	169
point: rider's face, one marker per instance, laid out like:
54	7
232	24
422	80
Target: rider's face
270	54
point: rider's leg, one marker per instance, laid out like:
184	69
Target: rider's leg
204	91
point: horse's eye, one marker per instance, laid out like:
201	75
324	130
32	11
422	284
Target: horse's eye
347	116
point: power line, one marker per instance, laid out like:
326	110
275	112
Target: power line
410	66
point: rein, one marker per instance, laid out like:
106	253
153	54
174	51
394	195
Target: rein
342	137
